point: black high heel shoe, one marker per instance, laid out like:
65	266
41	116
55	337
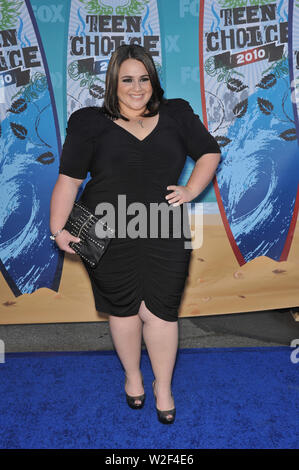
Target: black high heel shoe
132	400
162	415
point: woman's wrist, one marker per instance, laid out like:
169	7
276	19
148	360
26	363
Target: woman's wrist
54	235
194	192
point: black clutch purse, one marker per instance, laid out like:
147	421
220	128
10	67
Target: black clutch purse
82	224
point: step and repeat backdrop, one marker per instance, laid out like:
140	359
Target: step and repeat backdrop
236	62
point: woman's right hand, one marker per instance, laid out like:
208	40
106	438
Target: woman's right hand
64	238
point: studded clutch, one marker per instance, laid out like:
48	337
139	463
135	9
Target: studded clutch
84	224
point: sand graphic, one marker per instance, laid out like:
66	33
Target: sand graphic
216	285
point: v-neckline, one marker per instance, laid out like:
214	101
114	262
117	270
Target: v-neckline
134	136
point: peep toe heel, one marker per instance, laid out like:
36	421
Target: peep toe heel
162	415
132	400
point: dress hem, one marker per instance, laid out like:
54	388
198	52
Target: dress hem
148	305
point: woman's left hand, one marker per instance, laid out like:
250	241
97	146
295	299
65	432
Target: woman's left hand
180	195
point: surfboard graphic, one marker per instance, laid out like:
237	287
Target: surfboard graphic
30	148
294	58
95	30
247	106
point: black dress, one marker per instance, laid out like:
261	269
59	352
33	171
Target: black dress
153	269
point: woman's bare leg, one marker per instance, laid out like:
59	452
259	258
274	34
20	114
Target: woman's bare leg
126	334
161	339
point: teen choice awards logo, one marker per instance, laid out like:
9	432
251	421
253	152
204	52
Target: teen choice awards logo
245	69
96	29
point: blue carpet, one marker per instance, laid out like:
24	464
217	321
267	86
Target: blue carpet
226	398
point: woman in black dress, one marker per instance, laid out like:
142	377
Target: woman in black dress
136	145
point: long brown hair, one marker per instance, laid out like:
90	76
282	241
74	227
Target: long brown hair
122	53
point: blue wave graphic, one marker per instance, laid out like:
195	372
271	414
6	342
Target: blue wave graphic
278	10
147	30
217	18
23	44
286	14
82	33
27	40
258	175
27	254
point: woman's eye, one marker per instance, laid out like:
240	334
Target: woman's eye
128	80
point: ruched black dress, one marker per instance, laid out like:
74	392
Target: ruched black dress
153	269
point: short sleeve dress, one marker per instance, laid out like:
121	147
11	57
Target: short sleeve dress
140	263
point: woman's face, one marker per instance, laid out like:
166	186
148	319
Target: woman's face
134	87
